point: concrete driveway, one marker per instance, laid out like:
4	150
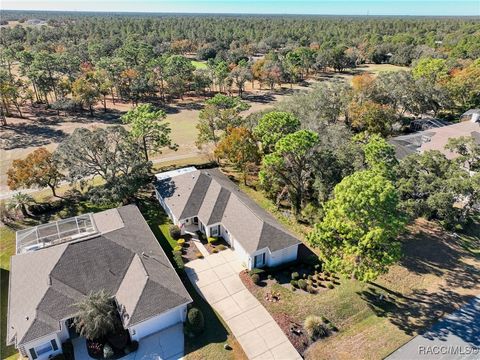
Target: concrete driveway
216	278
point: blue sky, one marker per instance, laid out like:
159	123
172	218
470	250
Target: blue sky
339	7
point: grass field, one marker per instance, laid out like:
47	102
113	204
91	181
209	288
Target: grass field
199	64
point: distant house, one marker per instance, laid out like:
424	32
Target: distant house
436	138
58	264
207	201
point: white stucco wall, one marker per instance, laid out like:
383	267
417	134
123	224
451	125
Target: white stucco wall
40	342
158	323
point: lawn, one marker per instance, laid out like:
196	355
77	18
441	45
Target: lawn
199	64
439	272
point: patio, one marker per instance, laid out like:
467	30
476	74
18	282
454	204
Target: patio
167	344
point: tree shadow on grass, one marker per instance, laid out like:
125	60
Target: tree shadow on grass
428	250
437	252
29	135
415	312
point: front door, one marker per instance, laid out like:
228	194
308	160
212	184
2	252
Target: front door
259	260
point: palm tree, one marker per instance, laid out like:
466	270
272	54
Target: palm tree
20	201
97	316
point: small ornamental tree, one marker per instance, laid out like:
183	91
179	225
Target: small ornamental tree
358	234
38	169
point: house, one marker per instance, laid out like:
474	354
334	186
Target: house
58	264
436	138
207	201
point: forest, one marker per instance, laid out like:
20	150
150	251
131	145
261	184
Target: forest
305	154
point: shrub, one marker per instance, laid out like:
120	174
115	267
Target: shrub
330	286
212	240
294	283
199	255
178	260
269	277
314	327
177	248
304	276
175	232
214	250
302	284
181	242
108	351
310	289
196	322
295	276
94	349
256	271
255	278
318	267
309	277
293	288
221	247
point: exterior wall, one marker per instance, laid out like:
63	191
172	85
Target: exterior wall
158	323
236	246
42	341
282	256
166	208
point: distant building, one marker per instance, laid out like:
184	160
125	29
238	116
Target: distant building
437	138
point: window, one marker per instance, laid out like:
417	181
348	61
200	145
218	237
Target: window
214	231
43	349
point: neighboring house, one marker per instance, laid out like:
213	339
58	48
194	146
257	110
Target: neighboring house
435	138
208	201
58	264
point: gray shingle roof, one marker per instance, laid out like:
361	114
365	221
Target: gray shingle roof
216	199
127	262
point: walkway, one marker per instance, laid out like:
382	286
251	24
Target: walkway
167	344
455	337
216	278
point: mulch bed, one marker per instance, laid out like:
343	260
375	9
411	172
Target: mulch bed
298	338
190	250
247	281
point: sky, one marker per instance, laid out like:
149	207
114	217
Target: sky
331	7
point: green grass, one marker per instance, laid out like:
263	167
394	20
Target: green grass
7	249
199	64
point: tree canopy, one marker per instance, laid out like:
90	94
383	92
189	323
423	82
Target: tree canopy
358	233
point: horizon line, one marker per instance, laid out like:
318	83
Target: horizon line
230	13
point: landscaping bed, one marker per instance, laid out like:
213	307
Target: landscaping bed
213	244
190	250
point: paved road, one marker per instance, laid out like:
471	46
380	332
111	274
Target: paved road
216	278
455	337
